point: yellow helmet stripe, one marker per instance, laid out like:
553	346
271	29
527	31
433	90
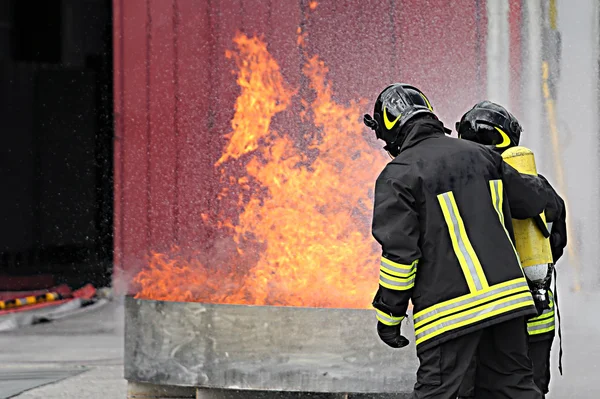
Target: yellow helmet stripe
505	139
389	124
427	102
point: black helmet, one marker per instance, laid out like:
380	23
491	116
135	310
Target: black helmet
395	105
490	124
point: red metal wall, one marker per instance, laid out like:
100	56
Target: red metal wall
174	90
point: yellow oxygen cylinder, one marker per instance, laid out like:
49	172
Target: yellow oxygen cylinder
533	248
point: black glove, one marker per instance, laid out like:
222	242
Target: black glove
541	300
391	335
540	305
555	246
558	239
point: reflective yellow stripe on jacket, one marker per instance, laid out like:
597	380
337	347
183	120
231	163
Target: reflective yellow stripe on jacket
543	323
471	308
462	245
388	319
497	198
396	276
483	301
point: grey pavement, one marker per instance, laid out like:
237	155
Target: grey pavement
89	346
99	382
85	350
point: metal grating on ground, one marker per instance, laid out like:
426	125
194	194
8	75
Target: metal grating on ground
14	381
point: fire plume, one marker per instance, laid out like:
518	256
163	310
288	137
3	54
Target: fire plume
263	95
302	232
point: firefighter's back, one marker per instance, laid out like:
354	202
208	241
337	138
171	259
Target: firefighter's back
443	223
468	260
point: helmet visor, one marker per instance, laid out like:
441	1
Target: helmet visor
487	134
489	128
393	105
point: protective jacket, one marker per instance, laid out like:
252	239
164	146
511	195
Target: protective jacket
442	214
543	326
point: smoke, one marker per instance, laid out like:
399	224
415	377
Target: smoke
576	109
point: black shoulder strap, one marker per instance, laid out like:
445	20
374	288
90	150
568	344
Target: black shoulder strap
560	352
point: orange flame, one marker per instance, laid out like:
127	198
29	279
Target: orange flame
307	223
263	95
170	277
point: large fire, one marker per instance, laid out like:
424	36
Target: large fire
302	233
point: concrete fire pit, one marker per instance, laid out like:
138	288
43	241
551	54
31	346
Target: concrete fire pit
259	351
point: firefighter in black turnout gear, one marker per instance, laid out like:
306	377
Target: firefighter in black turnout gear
442	214
492	125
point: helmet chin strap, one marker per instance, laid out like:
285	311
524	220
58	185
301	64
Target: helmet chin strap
370	122
388	149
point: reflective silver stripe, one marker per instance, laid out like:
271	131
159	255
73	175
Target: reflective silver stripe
522	283
400	270
495	185
541	328
497	204
461	244
388	319
387	282
485	310
544	315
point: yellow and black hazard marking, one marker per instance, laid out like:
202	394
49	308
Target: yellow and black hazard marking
29	300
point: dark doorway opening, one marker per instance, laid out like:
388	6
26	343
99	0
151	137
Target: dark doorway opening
56	119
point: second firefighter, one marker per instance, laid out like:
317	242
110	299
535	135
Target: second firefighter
492	125
442	215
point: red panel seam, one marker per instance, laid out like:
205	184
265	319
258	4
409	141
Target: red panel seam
176	119
148	121
121	137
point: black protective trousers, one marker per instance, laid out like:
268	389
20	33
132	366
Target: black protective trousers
504	369
539	353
